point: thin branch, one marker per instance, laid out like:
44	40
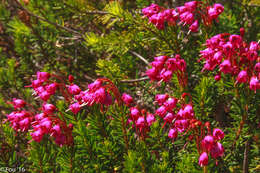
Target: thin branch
139	56
245	161
135	80
97	12
45	20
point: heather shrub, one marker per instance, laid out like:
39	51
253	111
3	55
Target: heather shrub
129	86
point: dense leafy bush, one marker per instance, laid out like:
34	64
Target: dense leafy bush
129	86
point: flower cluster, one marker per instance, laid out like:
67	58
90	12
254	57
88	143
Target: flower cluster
95	94
233	56
211	145
163	67
141	120
43	87
46	123
189	14
177	118
20	119
181	119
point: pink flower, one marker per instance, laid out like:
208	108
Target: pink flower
74	89
157	20
171	64
39	90
207	142
257	67
170	104
100	95
37	135
75	107
218	57
194	27
56	130
217	77
181	125
88	98
94	86
39	117
78	97
168	16
169	117
18	103
167	75
242	77
161	58
161	111
217	150
252	55
191	6
24	124
173	133
254	83
161	98
45	95
134	112
254	46
204	159
48	108
218	134
187	18
36	83
45	125
43	76
236	40
219	8
51	88
225	67
215	11
150	119
182	9
152	73
188	111
127	99
140	123
157	64
151	10
181	65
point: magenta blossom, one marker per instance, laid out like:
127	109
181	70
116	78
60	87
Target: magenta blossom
204	159
161	98
51	88
74	89
226	67
218	134
173	133
207	142
43	76
127	99
75	107
37	135
134	113
217	150
254	83
150	119
48	108
18	103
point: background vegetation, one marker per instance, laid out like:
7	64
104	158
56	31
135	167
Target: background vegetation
90	39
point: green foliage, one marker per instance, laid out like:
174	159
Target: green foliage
90	39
